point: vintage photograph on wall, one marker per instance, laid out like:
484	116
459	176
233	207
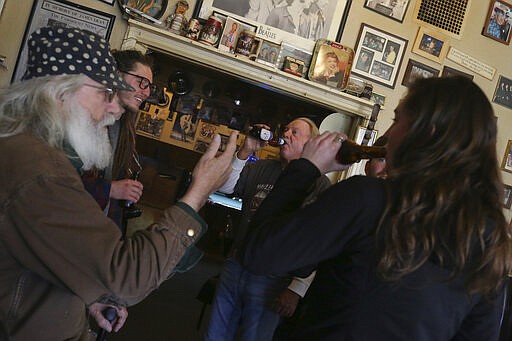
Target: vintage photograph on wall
498	21
298	53
330	16
506	164
269	53
503	92
430	44
153	8
230	34
507	196
417	70
451	72
394	9
331	64
378	55
61	13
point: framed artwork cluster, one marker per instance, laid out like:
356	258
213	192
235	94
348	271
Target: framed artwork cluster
378	55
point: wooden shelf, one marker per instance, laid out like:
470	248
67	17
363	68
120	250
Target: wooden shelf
145	36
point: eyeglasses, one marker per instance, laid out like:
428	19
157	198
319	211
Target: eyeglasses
144	83
109	93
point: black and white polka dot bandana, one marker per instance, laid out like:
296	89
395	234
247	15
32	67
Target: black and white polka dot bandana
69	51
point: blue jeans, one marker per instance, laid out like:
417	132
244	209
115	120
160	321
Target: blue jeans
244	300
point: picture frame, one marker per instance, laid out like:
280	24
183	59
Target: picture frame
331	64
2	3
507	196
154	9
268	53
503	92
506	164
110	2
294	66
394	10
430	44
449	72
291	50
334	12
230	34
378	99
416	70
61	13
498	22
378	55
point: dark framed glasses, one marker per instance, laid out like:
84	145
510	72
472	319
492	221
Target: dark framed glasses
109	93
144	83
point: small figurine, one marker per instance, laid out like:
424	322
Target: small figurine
177	22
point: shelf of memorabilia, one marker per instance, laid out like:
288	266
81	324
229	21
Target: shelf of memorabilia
159	123
144	36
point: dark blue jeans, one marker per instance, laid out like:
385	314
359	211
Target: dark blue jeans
244	300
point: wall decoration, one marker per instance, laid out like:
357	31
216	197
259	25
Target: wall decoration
330	19
378	55
498	21
391	9
471	63
269	53
450	72
507	196
378	99
418	70
506	164
152	8
430	44
289	50
503	92
446	16
2	3
110	2
229	37
64	14
331	64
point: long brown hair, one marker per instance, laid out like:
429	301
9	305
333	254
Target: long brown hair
125	150
445	201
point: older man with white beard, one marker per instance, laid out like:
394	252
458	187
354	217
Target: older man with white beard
59	253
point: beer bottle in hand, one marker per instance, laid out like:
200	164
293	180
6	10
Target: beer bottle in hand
265	135
351	152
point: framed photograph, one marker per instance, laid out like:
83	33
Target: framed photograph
295	52
418	70
392	9
503	92
498	21
430	44
294	66
378	55
269	53
378	99
331	64
153	8
507	196
61	13
450	72
228	39
110	2
506	164
330	17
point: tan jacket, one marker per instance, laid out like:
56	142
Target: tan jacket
59	252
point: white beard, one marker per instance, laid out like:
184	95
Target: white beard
89	140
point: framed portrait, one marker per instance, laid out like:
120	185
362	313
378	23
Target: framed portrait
265	15
507	196
450	72
418	70
498	21
331	64
392	9
503	92
295	52
378	55
61	13
506	164
154	8
430	44
268	53
228	39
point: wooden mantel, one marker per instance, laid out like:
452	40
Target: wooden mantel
144	36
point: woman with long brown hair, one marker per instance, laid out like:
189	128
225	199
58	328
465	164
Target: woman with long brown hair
421	255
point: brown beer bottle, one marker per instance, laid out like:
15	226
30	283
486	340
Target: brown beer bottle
351	152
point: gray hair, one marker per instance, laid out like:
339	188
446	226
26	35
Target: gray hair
34	106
